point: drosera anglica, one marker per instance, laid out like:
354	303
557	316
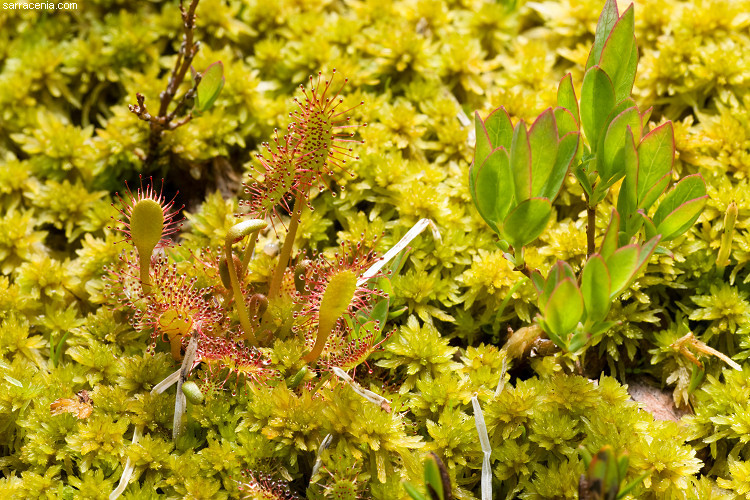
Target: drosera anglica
148	220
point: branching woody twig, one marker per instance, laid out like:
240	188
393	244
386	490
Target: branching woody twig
164	120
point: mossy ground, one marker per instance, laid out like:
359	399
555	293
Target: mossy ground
68	142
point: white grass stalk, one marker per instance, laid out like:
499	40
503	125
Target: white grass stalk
484	440
180	403
396	249
367	394
318	459
501	382
169	381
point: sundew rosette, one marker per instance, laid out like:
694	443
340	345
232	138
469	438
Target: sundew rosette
335	306
314	149
175	307
227	359
148	221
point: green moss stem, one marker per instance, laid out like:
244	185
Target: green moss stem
274	288
144	263
239	299
249	252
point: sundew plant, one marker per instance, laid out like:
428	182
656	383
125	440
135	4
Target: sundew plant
412	249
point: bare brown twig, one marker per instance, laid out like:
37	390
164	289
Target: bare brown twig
164	120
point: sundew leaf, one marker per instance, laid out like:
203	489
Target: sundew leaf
597	100
209	87
681	207
564	308
526	222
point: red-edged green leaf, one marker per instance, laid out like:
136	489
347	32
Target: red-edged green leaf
482	149
627	269
566	152
499	128
209	87
656	154
645	253
681	218
622	265
597	99
609	242
491	195
565	122
520	162
538	280
564	308
560	271
648	225
595	284
626	201
582	177
578	340
650	196
607	20
612	164
632	165
526	222
566	98
680	207
543	140
558	340
646	115
619	57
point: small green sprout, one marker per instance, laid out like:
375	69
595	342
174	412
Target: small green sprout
208	87
436	480
722	259
605	474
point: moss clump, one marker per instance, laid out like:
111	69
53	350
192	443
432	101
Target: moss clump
68	297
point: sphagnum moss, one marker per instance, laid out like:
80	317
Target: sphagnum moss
66	136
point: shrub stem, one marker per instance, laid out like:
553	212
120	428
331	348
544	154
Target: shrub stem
590	230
